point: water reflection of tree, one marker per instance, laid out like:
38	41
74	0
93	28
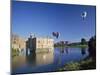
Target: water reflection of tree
63	50
66	50
83	51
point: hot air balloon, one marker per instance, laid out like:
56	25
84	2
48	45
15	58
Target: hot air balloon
84	15
55	34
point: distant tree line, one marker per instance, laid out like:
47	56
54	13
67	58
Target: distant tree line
66	43
61	43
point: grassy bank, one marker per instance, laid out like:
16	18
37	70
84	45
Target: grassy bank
81	65
73	46
79	46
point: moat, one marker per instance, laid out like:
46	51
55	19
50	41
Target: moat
46	61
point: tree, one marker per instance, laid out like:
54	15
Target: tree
92	47
66	42
83	41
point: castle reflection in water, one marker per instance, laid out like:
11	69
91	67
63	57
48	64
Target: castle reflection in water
33	59
41	58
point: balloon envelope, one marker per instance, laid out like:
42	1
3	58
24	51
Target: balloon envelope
55	34
84	14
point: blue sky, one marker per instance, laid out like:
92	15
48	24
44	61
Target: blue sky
44	18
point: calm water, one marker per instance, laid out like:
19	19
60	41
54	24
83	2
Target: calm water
48	61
